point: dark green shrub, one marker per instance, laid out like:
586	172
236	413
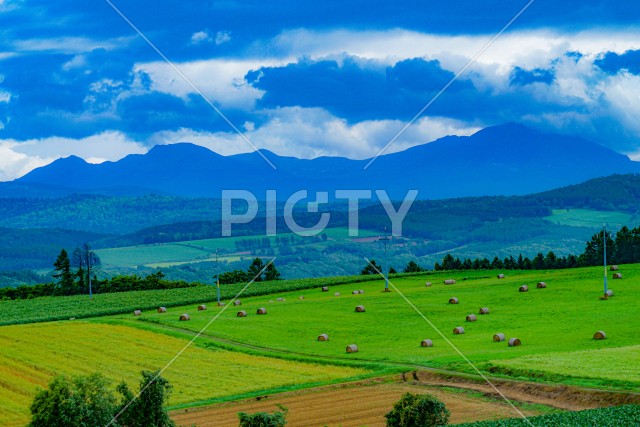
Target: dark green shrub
417	410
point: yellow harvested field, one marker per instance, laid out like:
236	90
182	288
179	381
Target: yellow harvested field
30	355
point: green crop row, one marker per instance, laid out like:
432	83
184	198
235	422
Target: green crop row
620	416
46	309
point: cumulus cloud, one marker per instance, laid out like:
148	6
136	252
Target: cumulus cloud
220	80
314	132
222	37
20	157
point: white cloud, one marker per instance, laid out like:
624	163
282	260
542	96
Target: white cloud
221	80
313	132
222	37
20	157
69	45
200	37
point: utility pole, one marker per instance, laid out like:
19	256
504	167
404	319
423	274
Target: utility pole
385	268
217	277
604	243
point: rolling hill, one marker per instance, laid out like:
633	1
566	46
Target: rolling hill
510	159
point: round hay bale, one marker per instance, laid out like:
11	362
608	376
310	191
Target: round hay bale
220	304
541	285
242	313
325	289
600	335
614	268
184	317
301	297
337	294
361	291
355	292
352	348
501	276
609	292
459	330
426	343
523	288
237	302
453	300
323	337
279	299
261	310
360	309
617	275
498	337
162	309
514	342
202	307
137	313
449	282
427	284
484	310
471	318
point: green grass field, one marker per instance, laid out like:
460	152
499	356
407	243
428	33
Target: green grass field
590	218
172	254
236	357
550	323
31	354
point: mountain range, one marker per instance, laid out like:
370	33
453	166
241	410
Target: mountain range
509	159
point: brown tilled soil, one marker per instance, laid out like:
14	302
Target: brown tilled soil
364	403
355	404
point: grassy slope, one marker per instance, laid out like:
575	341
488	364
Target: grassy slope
550	322
31	354
590	218
167	254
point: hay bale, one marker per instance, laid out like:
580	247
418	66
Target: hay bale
471	318
242	313
355	292
617	275
337	294
237	302
514	342
427	284
361	291
459	330
541	285
279	299
137	313
501	276
162	309
523	288
325	289
301	297
449	282
202	307
609	292
220	304
453	300
352	348
614	268
360	309
498	338
600	335
184	317
426	343
484	310
323	337
261	310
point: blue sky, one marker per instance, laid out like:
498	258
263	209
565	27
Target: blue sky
308	78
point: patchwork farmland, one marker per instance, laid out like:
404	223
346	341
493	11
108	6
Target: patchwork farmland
274	358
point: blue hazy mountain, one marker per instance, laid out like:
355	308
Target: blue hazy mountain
509	159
